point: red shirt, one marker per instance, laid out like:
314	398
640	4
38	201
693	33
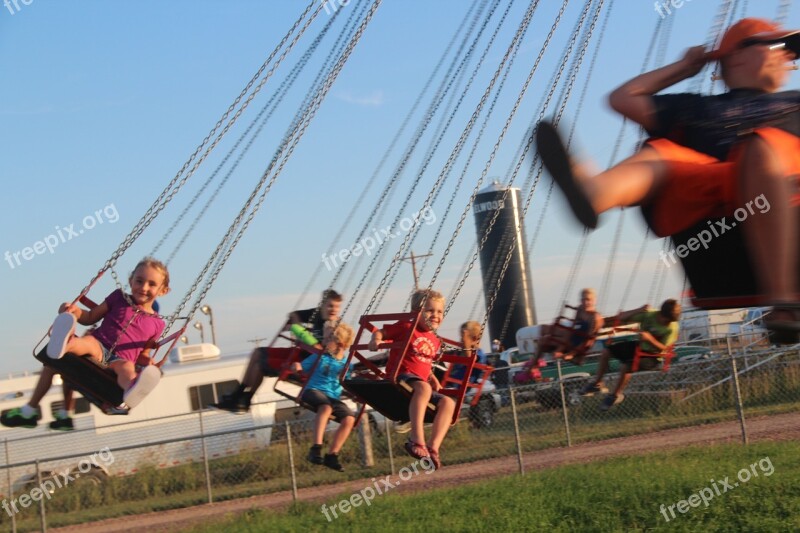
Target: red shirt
422	350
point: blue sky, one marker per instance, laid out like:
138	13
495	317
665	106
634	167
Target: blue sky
103	102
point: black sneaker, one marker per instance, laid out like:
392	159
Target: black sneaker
62	424
590	389
611	400
15	419
233	403
332	461
315	455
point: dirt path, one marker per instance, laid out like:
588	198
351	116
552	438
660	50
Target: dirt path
780	427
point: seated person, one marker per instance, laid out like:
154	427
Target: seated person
323	392
572	343
710	156
257	367
658	331
471	334
416	370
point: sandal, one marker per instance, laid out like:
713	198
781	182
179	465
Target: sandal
416	450
557	162
434	457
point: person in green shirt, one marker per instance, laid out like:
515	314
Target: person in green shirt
658	331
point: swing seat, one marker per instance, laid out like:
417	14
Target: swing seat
722	276
386	393
96	384
666	357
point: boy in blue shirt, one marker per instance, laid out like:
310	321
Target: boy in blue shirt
323	392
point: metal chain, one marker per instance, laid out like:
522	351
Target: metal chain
266	112
283	153
177	182
554	84
453	155
520	31
379	168
783	11
428	118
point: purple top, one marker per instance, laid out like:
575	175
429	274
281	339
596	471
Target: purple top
128	342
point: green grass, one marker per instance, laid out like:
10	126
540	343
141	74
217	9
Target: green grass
623	494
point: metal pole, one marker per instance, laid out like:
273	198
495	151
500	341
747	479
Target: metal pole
205	450
42	519
388	425
737	392
516	432
564	403
291	460
365	439
10	487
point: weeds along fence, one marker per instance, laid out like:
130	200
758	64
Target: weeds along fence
73	488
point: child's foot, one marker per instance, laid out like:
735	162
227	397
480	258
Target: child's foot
557	162
416	450
332	461
611	400
434	457
315	455
62	423
60	333
20	417
590	389
144	384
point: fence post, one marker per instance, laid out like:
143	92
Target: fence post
42	519
291	460
564	403
388	425
737	392
205	451
516	431
10	487
365	440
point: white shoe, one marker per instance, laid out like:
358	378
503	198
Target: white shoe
144	384
60	333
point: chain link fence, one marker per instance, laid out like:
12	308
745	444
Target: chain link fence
717	381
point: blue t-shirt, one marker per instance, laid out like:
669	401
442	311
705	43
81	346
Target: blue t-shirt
326	375
458	371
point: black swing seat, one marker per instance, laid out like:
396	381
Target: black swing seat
386	397
722	276
96	384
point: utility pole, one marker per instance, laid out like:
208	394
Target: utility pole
413	259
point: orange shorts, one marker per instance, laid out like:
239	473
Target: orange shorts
700	187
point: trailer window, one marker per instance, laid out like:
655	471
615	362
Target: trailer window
203	395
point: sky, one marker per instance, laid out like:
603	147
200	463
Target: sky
102	104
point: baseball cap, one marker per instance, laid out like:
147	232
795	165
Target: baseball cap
756	29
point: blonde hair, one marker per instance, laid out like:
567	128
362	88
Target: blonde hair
342	333
473	329
155	264
588	291
424	295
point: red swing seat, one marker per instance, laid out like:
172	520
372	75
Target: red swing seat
666	357
384	392
280	359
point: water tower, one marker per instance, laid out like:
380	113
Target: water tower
513	307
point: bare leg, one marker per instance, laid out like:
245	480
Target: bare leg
416	409
602	366
624	378
771	231
253	375
626	183
42	386
444	416
320	422
126	373
69	398
339	438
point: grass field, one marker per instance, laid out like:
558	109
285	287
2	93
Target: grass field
623	494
